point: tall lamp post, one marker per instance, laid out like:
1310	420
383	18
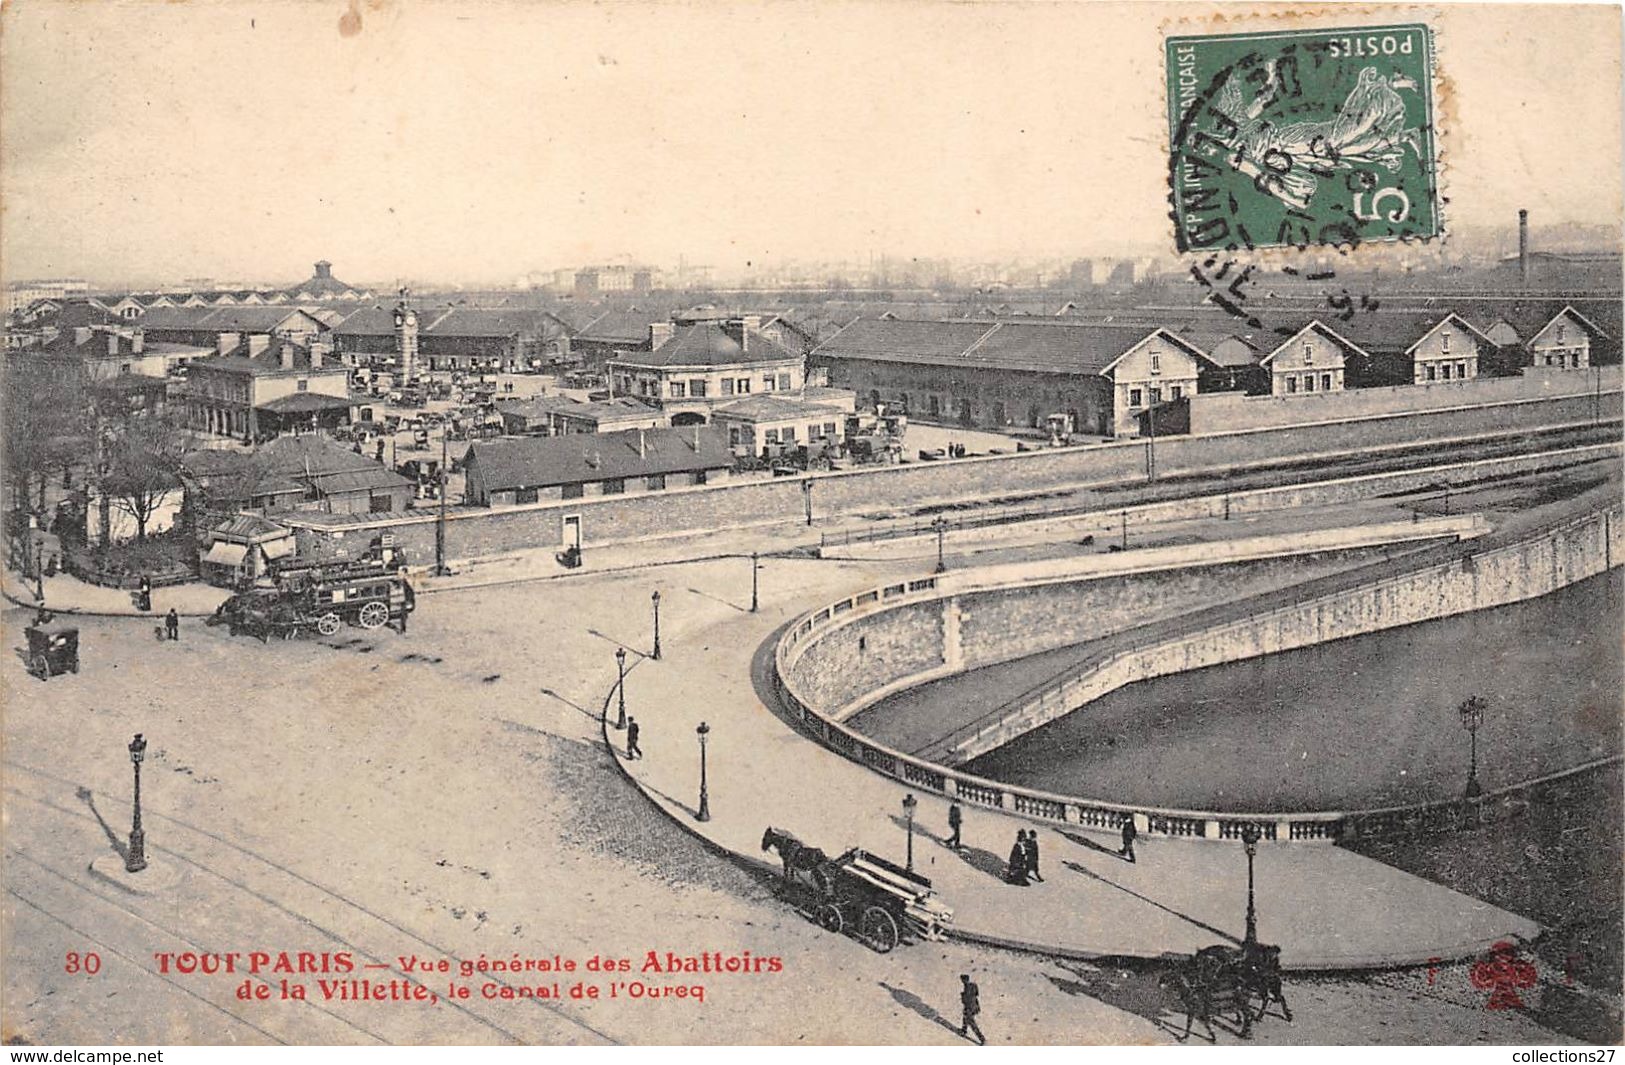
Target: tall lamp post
38	537
440	567
909	803
753	569
1250	835
655	599
1472	716
941	526
136	859
620	687
806	496
704	813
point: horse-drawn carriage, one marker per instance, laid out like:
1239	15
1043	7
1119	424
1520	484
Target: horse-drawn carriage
880	902
52	649
1223	979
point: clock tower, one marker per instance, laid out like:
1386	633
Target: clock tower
406	339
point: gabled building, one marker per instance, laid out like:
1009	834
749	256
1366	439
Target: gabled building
294	473
559	415
698	368
786	420
1004	374
1448	351
1564	342
1313	359
579	465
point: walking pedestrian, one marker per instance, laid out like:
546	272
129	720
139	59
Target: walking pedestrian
172	624
970	1004
955	816
145	594
1017	873
1032	855
632	750
1129	832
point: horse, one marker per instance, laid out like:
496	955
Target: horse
796	855
1255	969
1211	980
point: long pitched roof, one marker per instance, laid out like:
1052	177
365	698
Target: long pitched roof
710	344
1047	346
579	458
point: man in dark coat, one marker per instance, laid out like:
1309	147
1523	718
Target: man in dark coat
1017	873
1129	832
172	624
632	750
955	817
970	1004
1031	849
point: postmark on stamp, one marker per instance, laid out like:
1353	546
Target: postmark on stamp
1302	137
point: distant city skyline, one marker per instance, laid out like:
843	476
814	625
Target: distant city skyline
149	143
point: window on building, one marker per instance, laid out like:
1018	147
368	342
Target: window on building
735	436
727	386
1560	332
1176	392
678	391
697	477
1432	372
933	406
303	384
1444	371
771	436
815	433
1291	383
613	487
1134	397
1325	382
1308	353
789	434
767	383
1308	382
526	495
655	482
1156	396
1156	362
1444	339
123	367
784	382
380	504
696	388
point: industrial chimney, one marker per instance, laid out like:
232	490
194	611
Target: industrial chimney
1523	246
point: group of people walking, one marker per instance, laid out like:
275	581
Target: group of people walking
1023	868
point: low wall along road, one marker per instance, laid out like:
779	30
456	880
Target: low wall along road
477	532
1436	582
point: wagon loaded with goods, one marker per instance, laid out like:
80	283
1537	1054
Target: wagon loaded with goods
369	592
877	901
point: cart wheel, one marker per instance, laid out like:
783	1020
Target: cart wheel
879	929
830	919
373	616
40	666
329	623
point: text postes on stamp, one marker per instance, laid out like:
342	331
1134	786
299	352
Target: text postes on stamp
1302	137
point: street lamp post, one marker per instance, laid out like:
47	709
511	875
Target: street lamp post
1472	716
655	599
753	569
620	687
38	537
941	526
440	567
136	859
704	813
806	496
909	803
1250	836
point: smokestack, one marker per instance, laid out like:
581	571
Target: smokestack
1523	246
641	453
286	360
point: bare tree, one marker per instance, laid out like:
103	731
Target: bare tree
140	466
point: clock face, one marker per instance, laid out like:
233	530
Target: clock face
411	319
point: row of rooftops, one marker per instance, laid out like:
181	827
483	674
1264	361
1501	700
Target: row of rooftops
1092	347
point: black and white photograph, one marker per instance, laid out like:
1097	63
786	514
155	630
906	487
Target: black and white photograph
914	524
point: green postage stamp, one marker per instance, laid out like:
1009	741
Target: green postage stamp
1303	137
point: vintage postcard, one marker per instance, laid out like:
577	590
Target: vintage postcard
752	523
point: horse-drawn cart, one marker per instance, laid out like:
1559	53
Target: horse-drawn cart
878	901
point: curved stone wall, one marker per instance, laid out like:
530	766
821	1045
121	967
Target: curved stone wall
1541	562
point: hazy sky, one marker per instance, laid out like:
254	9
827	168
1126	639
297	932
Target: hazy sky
480	141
